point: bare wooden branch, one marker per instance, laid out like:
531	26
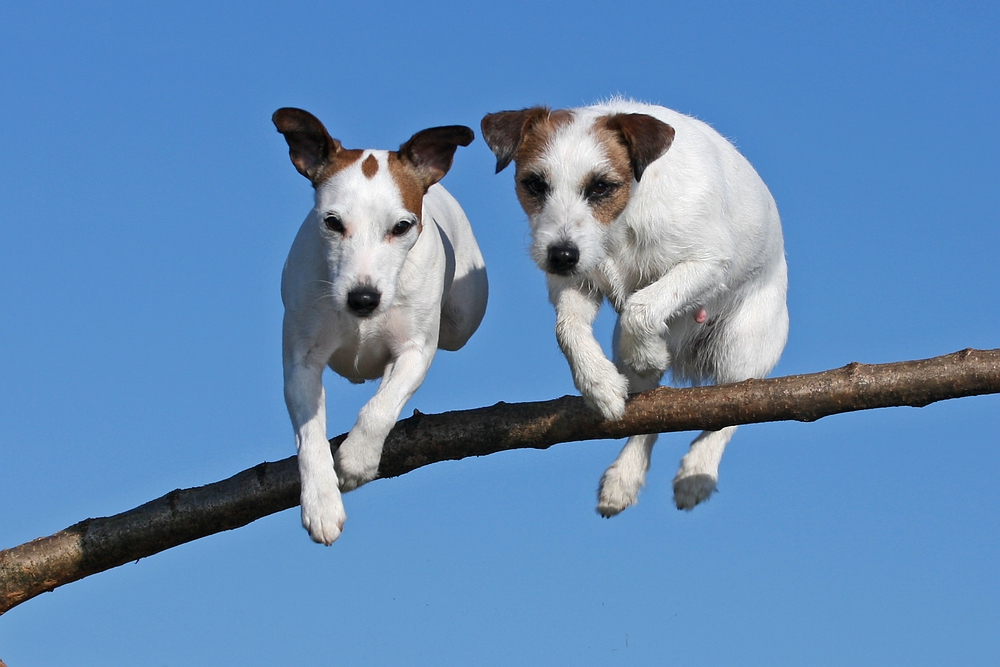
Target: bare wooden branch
183	515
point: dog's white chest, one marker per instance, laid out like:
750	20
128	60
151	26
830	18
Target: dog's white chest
359	362
625	269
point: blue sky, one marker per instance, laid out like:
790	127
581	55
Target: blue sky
146	207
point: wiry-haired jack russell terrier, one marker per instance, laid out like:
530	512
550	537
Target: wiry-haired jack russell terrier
659	214
383	272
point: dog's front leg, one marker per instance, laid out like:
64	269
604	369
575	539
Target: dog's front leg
644	317
322	508
359	455
603	387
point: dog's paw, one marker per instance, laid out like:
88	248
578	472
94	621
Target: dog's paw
323	512
617	491
644	353
606	393
648	357
642	345
691	489
356	462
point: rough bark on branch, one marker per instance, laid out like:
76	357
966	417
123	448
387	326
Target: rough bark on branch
183	515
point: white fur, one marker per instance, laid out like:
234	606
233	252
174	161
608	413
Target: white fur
700	231
433	294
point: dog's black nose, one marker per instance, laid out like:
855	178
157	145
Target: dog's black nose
363	300
563	258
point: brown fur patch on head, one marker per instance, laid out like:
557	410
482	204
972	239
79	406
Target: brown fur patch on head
617	175
537	136
344	159
531	204
538	132
411	188
646	138
370	166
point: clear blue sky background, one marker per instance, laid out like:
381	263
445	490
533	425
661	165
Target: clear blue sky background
146	207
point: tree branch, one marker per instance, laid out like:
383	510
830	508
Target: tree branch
183	515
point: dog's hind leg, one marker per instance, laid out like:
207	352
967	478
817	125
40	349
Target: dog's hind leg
746	344
699	472
463	309
622	481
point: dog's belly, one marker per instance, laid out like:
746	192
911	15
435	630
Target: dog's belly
693	347
359	363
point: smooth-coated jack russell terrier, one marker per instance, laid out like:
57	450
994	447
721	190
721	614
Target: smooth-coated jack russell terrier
383	272
658	213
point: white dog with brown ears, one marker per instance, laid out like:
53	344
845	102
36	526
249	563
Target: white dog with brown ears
658	213
383	272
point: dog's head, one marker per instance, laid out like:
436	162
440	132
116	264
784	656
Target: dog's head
574	175
369	203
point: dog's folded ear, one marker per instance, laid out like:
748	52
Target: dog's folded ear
645	137
504	131
431	151
310	146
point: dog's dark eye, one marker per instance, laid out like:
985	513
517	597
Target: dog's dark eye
599	189
535	185
334	223
402	227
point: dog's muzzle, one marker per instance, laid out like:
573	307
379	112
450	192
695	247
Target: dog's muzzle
563	258
363	300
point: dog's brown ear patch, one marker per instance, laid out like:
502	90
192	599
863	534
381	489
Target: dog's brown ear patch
645	137
310	146
430	152
504	131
